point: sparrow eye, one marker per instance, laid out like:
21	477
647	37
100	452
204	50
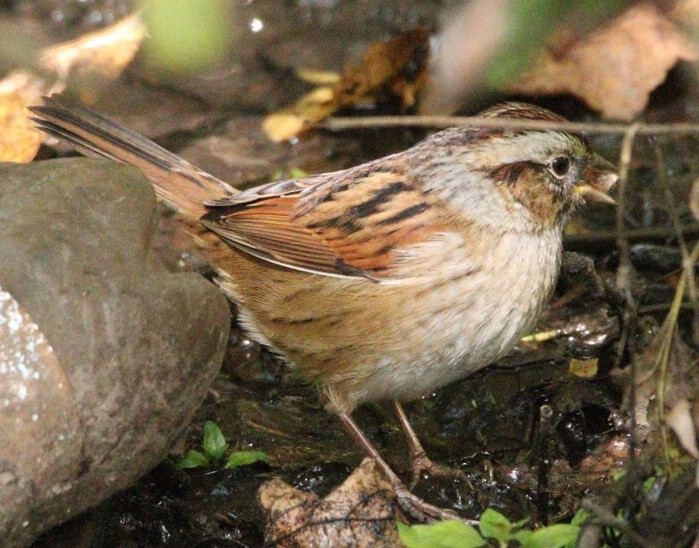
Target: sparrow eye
560	166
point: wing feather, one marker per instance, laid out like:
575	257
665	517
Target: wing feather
349	224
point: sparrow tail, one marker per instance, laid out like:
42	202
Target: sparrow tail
176	181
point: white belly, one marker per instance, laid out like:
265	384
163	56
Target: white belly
463	327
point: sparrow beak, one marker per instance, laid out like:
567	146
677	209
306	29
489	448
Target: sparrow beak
597	179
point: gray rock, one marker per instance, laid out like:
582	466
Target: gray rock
129	351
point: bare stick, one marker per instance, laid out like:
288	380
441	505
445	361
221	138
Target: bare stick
338	124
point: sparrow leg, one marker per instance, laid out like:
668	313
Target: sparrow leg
419	461
411	504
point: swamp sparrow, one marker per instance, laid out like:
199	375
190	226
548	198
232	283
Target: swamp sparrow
389	279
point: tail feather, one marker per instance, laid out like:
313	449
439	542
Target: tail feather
180	184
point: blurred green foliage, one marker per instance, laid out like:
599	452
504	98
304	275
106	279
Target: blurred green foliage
187	35
494	529
530	24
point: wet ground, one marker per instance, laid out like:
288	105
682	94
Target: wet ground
532	437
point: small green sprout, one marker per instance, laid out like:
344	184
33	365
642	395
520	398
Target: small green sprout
494	529
215	446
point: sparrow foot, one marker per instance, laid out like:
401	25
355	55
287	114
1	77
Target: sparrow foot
422	466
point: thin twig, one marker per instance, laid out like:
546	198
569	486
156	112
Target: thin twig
608	518
662	307
623	274
338	124
687	266
601	238
623	283
666	335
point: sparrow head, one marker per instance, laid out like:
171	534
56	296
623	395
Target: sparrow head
540	175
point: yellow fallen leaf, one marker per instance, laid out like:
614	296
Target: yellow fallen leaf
106	51
394	70
541	337
104	54
19	140
310	109
318	77
585	369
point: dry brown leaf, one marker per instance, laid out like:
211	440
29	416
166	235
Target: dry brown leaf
681	419
99	56
394	69
686	13
360	512
397	66
104	52
615	68
19	140
605	460
681	379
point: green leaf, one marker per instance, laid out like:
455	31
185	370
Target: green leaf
186	35
648	484
521	523
293	173
443	534
193	459
494	525
522	537
554	536
244	458
297	173
580	517
214	442
616	476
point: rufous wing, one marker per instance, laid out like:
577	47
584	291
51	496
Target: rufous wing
352	224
